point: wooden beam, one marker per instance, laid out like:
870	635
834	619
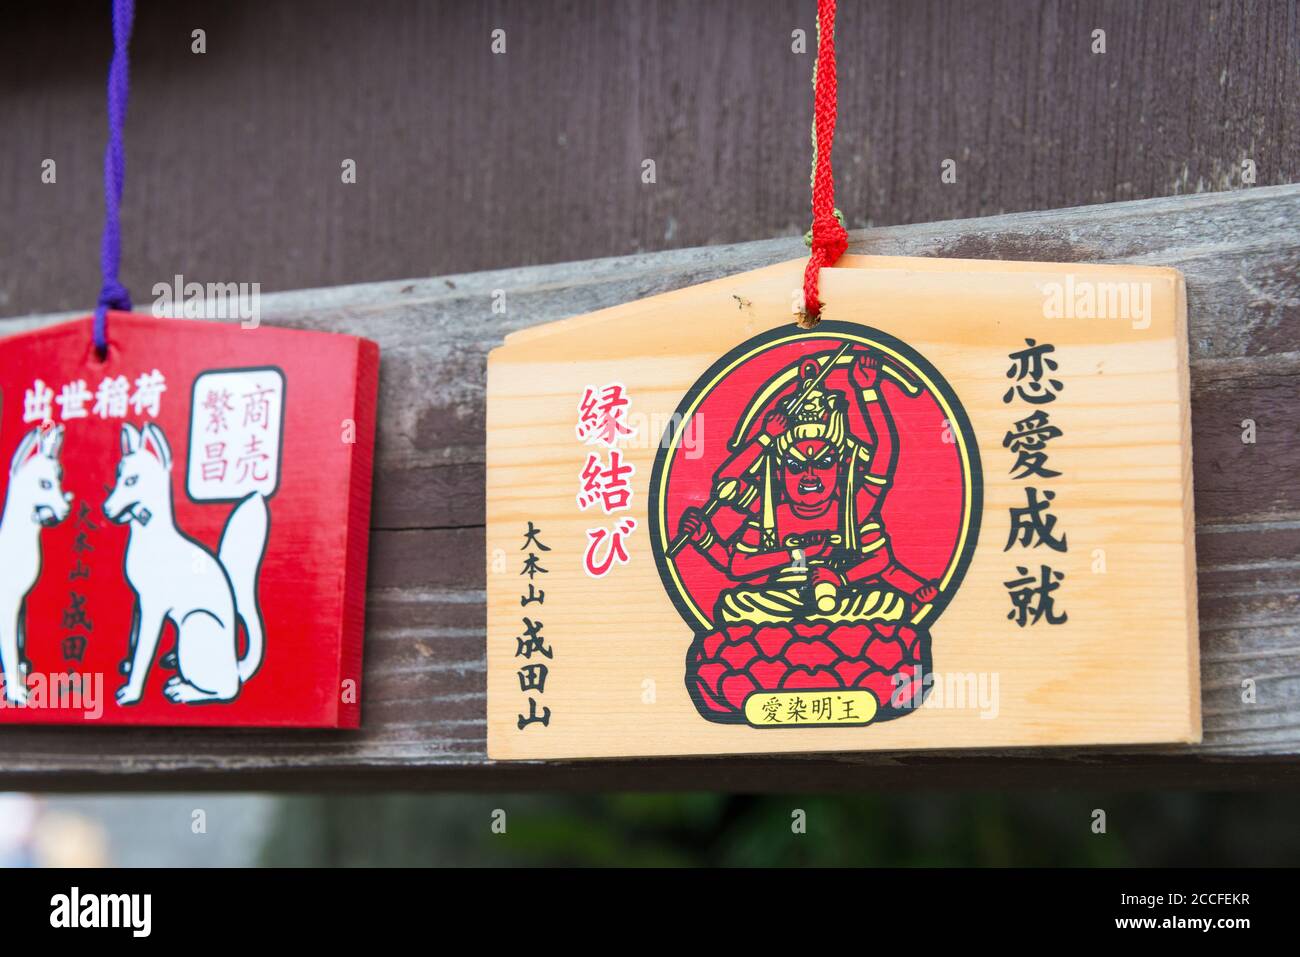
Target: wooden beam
423	694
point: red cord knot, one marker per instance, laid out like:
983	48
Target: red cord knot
828	242
831	239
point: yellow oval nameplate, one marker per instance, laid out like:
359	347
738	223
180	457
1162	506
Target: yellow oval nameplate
800	709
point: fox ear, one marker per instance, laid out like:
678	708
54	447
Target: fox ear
52	442
156	442
130	439
24	451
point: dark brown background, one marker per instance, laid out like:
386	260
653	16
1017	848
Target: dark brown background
469	161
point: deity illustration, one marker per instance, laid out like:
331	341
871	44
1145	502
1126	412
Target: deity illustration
810	589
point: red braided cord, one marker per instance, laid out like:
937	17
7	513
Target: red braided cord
829	238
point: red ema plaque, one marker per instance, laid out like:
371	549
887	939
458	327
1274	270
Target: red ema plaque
185	524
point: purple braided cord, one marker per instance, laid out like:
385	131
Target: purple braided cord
112	294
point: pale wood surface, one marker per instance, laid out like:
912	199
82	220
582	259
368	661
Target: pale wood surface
1121	669
423	709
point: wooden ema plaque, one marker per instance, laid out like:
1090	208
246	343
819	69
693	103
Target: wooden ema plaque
185	524
956	513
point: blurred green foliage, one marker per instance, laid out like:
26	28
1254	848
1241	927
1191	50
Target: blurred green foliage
682	830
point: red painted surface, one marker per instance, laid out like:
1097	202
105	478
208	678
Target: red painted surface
311	582
910	527
922	510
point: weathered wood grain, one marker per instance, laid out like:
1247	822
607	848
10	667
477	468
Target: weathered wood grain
423	720
468	160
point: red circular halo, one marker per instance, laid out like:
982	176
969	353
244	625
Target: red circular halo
930	511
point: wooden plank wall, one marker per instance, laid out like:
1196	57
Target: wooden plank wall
469	161
424	684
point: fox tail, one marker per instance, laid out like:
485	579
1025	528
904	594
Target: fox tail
243	543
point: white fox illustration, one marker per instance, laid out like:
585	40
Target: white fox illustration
35	500
175	577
